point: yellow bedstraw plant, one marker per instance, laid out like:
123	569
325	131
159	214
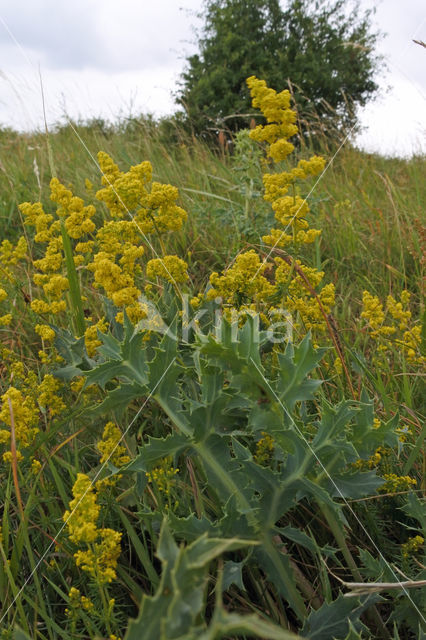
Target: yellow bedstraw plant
10	256
252	284
101	545
107	250
391	327
22	404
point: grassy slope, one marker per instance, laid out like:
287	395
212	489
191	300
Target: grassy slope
369	207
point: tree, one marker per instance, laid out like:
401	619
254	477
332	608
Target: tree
322	51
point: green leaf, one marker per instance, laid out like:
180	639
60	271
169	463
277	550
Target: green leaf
154	450
353	634
73	351
293	385
119	399
376	567
226	625
277	567
301	538
332	424
126	360
174	609
332	619
354	485
415	508
233	574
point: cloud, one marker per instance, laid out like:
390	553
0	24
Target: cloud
56	35
90	34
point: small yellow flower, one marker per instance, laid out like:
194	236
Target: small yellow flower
84	512
45	332
395	483
163	475
6	320
91	336
264	449
35	466
110	448
338	367
412	546
170	268
48	398
8	457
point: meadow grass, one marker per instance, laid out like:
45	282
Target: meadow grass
370	211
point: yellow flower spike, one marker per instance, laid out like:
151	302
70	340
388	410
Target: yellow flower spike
101	560
25	415
84	512
290	211
163	475
47	397
264	449
45	332
91	336
110	448
372	310
170	268
244	278
412	546
394	483
338	367
35	466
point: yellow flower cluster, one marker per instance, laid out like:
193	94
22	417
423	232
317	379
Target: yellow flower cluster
412	546
47	397
109	254
170	268
91	336
155	208
78	218
264	449
100	558
35	466
77	601
163	475
242	282
280	118
290	210
45	332
47	232
29	396
298	298
110	448
394	483
81	520
371	463
25	418
9	256
397	330
122	192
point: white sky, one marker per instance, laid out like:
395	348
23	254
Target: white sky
108	58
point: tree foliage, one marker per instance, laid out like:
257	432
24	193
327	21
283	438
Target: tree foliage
324	51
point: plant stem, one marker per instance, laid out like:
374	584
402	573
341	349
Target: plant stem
77	313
